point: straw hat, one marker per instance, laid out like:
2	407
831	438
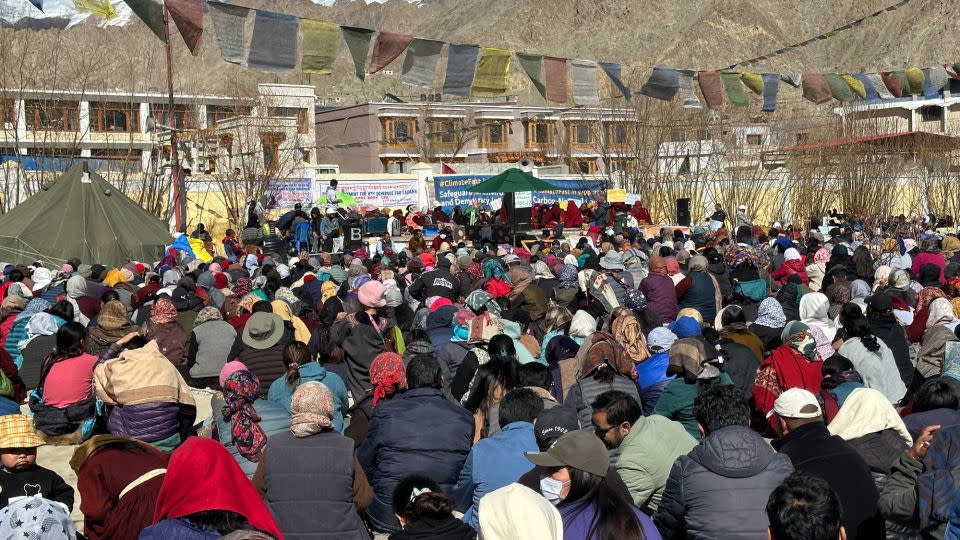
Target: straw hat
17	431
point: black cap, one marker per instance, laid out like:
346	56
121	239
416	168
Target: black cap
552	424
881	302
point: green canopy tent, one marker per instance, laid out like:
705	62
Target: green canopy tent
512	181
81	215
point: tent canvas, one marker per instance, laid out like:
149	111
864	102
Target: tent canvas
90	220
512	181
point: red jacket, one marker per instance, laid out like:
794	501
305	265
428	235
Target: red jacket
788	268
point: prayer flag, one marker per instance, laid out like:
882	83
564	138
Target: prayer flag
532	65
734	89
613	71
387	48
855	85
936	79
101	8
816	89
753	81
358	43
420	64
273	46
583	73
151	13
711	87
490	78
771	86
321	39
870	91
461	65
555	70
901	76
838	87
663	84
188	16
915	78
879	86
690	99
230	22
793	79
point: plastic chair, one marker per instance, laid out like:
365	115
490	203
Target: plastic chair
301	236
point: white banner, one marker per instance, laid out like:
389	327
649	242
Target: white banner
377	193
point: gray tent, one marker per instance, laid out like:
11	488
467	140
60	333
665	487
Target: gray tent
73	217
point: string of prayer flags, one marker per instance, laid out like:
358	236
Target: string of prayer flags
420	64
816	89
151	13
753	81
663	84
273	46
690	99
612	70
321	39
771	86
358	43
532	65
733	87
461	66
711	87
855	85
583	74
101	8
555	70
490	78
387	48
229	21
188	16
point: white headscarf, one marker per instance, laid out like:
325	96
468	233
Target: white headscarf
813	312
867	411
515	511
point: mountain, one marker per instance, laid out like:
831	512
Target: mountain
701	34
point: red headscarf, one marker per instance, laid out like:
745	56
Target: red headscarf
573	219
387	373
202	476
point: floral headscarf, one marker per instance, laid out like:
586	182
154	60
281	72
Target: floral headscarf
797	336
568	276
387	373
821	256
247	302
242	287
475	271
770	314
33	307
208	313
626	328
493	268
163	311
311	409
479	300
240	390
327	291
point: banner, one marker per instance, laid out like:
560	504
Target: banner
451	190
283	194
377	193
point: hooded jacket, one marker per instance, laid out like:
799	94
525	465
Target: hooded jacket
697	501
646	455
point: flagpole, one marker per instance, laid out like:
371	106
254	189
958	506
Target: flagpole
176	178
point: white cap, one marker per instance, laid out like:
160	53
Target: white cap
331	210
790	403
742	207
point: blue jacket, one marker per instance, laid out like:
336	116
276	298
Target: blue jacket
492	464
281	393
273	419
418	431
177	529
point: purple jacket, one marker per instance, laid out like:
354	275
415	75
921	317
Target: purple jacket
661	295
578	517
149	422
176	529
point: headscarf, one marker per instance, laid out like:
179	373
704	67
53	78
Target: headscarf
32	308
568	276
770	314
386	373
41	324
41	278
521	279
163	311
541	270
797	336
35	517
208	313
76	287
475	271
698	263
690	355
201	475
311	409
813	312
242	287
113	316
824	346
660	339
479	300
113	277
881	276
601	349
170	278
936	487
867	411
247	302
240	391
327	291
673	266
859	289
300	331
658	266
493	268
940	313
821	256
626	328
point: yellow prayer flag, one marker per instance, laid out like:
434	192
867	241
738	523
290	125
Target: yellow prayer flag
915	77
857	86
320	42
753	81
491	75
101	8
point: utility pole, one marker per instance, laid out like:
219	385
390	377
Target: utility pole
176	176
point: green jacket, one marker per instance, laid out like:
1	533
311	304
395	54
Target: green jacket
647	455
676	402
898	498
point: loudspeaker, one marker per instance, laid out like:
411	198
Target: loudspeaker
353	236
683	212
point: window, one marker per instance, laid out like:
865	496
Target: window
581	134
270	145
115	117
617	133
930	114
219	113
117	161
53	159
582	166
446	133
53	115
399	130
494	134
182	116
620	165
303	122
305	155
8	114
540	133
754	139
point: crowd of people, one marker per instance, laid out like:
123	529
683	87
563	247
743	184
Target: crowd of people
700	384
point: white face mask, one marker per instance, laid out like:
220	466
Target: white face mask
443	236
551	488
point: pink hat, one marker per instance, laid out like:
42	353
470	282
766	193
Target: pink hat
215	268
372	294
229	369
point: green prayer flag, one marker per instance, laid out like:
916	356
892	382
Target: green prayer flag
839	88
532	65
151	13
734	88
902	75
320	42
358	42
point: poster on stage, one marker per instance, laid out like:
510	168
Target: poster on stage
452	190
283	194
377	193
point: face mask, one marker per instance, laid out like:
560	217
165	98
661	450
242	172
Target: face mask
443	236
551	488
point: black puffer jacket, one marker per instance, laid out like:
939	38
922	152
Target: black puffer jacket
894	337
696	502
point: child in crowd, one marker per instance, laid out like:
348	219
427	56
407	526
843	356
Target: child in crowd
21	476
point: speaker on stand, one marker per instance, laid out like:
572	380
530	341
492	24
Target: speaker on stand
683	212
